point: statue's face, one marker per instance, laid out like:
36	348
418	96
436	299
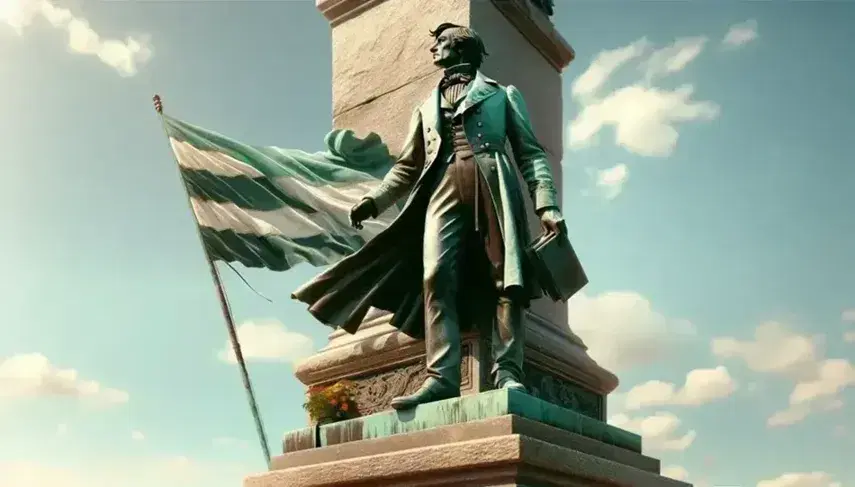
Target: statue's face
444	55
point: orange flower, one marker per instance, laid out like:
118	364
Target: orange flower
333	402
345	406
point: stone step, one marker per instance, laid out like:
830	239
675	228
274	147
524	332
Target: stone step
464	409
306	455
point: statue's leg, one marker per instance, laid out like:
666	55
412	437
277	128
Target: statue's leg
508	343
447	222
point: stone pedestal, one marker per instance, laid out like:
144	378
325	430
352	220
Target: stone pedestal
382	70
498	438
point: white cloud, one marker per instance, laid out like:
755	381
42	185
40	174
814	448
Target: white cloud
126	472
775	349
137	436
32	375
797	412
833	375
610	181
817	381
61	429
674	58
788	416
18	14
603	65
740	34
270	341
644	117
622	330
812	479
658	431
675	472
125	56
702	386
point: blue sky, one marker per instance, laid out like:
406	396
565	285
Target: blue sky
707	188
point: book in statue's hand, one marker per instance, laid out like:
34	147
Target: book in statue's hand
556	266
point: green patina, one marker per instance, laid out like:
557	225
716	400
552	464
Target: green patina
485	405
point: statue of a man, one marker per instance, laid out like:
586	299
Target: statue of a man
457	249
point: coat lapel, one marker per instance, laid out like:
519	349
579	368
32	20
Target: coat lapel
430	110
482	88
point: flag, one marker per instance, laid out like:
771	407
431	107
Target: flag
275	208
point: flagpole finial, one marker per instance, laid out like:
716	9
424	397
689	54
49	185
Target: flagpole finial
158	104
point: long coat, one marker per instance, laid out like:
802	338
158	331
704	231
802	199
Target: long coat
387	272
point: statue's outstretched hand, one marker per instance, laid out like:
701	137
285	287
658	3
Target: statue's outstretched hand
362	211
552	221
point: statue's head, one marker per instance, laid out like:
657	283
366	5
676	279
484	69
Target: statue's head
455	44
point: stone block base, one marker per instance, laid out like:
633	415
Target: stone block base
499	438
507	460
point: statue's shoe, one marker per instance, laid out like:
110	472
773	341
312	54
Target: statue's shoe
513	384
430	391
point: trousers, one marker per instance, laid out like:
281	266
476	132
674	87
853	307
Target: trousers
451	234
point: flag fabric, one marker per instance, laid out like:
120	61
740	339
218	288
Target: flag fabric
275	208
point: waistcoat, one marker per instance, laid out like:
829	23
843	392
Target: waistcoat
456	151
454	137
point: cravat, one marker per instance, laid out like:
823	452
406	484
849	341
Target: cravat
453	85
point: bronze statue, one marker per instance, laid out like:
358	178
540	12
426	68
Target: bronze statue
456	251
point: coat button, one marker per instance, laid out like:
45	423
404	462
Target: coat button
480	124
479	136
481	146
487	145
428	129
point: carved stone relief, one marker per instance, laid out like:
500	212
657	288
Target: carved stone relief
545	385
376	391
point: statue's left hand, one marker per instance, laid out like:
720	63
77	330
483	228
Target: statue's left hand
552	221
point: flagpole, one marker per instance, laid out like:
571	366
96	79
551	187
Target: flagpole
226	310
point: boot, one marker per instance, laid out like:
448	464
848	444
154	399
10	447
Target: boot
508	344
510	383
432	390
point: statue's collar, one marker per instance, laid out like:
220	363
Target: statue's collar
462	69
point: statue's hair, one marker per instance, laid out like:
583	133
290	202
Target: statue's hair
465	41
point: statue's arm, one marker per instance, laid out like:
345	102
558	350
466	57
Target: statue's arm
403	175
529	154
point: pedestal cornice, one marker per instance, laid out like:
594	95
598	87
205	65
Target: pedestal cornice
531	21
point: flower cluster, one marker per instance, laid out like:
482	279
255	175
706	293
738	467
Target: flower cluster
331	403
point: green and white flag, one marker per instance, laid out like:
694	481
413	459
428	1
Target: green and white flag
275	208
